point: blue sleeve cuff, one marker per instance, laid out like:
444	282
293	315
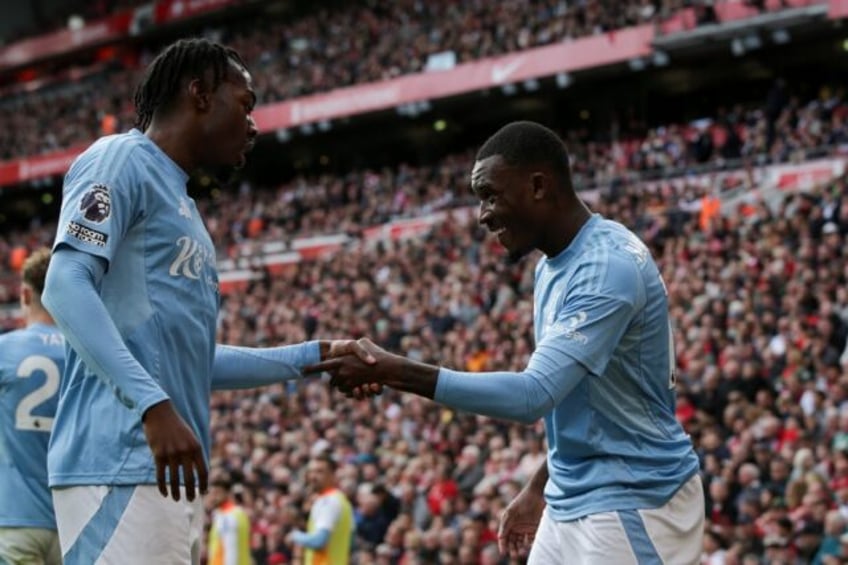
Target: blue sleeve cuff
315	540
251	367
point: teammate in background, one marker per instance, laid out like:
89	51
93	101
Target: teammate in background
620	484
229	532
133	285
329	534
31	362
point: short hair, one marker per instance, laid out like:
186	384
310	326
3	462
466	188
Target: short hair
524	143
34	269
183	59
328	459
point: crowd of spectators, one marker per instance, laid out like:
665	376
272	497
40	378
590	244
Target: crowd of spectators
761	313
359	42
784	129
759	303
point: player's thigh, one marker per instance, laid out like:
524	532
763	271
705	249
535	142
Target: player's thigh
29	546
669	535
598	539
127	526
676	529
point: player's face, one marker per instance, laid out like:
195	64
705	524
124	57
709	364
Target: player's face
217	495
505	194
318	475
229	126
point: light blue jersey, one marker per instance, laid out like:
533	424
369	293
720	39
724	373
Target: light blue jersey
125	201
31	363
614	442
602	376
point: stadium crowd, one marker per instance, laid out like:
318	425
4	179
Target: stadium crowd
784	129
321	51
761	311
759	302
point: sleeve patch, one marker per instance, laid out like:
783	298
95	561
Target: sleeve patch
96	204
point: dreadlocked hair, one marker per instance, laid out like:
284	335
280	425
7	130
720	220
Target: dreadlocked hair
186	58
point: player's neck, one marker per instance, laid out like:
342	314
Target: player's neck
171	139
39	316
565	229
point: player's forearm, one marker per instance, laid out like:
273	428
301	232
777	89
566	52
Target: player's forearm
405	375
539	479
250	367
71	297
522	397
500	395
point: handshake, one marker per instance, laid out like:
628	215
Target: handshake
358	368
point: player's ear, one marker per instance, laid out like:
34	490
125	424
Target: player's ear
539	184
199	94
26	295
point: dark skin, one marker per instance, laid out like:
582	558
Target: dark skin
212	128
527	208
208	127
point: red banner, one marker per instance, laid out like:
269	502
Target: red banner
111	29
806	176
13	172
543	61
31	50
837	9
583	53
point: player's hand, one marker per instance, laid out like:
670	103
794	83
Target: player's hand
342	347
174	446
519	522
364	350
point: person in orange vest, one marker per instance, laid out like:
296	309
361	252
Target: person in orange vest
329	534
229	534
710	209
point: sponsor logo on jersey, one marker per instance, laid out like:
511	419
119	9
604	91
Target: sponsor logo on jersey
87	235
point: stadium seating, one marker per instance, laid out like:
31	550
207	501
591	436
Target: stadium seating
757	292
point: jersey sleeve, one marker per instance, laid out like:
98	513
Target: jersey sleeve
602	297
326	514
100	199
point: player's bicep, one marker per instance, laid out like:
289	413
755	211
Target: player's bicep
95	215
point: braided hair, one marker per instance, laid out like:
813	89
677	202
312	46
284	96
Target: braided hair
186	58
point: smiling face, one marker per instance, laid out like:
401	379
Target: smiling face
227	126
510	204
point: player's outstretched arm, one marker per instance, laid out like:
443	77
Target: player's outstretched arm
520	396
251	367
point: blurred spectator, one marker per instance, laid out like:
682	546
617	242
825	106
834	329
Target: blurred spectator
229	537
